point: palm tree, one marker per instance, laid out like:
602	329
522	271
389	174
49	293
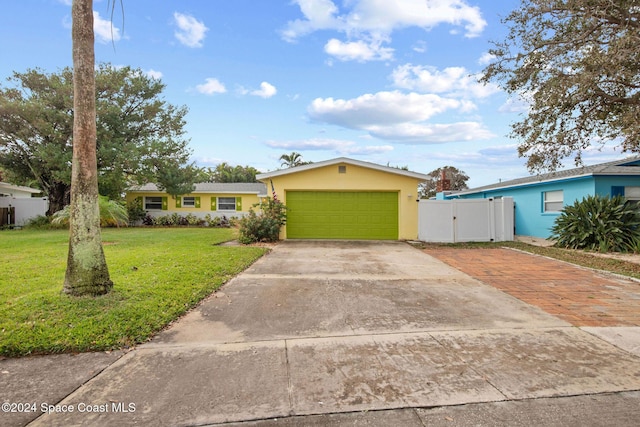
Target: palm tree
87	272
291	160
111	213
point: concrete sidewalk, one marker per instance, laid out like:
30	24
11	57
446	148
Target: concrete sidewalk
318	328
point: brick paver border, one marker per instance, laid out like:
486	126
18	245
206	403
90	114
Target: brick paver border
580	296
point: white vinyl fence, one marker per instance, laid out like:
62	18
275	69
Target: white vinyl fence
25	208
466	220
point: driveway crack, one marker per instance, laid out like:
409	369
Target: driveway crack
472	369
289	381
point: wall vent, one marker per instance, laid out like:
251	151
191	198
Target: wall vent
342	169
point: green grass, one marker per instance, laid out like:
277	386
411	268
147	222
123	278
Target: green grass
578	257
159	274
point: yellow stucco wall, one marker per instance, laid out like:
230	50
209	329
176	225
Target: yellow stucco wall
248	200
356	178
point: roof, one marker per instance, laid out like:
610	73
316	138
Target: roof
7	186
343	160
628	166
214	187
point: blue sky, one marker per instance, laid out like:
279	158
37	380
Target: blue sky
390	82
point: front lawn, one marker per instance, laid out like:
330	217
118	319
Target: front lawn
159	274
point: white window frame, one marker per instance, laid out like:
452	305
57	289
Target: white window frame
148	203
227	204
632	193
188	202
552	201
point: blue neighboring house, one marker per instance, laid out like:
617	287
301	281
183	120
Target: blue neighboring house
539	199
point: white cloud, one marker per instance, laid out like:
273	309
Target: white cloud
104	29
154	74
438	133
319	15
369	23
383	17
456	81
382	108
211	87
486	58
420	46
266	90
360	51
514	105
400	117
190	32
343	147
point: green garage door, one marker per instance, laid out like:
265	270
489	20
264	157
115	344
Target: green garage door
342	215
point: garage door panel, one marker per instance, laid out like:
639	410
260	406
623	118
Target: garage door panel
342	215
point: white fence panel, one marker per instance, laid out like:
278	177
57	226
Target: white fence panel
466	220
472	221
434	221
26	207
505	219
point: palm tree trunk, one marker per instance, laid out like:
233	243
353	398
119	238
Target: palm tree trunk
87	272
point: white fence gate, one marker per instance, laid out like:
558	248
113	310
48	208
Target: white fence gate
466	220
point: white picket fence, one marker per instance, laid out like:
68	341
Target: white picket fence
466	220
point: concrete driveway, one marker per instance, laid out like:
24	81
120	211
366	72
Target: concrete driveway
320	327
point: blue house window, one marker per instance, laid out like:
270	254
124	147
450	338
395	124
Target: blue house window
553	201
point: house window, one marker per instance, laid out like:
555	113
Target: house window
188	202
553	201
226	203
153	203
632	194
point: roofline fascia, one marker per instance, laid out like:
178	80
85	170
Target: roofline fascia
14	187
199	192
527	184
310	166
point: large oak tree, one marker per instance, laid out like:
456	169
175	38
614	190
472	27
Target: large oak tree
140	136
577	65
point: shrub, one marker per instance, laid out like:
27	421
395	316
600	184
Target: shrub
212	221
40	222
191	219
147	220
136	211
599	223
263	227
220	221
112	214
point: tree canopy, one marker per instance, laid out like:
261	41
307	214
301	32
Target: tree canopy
224	172
457	180
577	64
292	160
140	136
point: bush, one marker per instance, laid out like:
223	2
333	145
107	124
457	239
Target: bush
600	224
191	219
112	214
136	211
216	221
40	222
263	227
